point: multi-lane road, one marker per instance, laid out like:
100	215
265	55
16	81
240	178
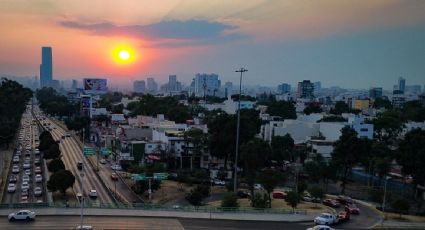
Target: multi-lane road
27	163
72	154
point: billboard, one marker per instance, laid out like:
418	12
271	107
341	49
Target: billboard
95	85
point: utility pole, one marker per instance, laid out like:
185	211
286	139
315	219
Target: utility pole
235	186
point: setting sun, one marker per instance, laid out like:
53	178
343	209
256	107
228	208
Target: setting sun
123	54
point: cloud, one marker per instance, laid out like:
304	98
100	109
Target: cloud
165	33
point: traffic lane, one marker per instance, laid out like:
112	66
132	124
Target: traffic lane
70	222
197	224
367	218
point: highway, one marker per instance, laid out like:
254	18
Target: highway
71	154
27	144
140	223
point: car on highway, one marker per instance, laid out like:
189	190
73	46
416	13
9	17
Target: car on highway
343	216
84	227
22	215
93	193
116	167
67	134
320	227
11	188
344	200
28	172
37	169
352	208
26	165
102	161
326	219
38	178
37	162
15	169
114	176
24	199
25	185
16	159
79	196
80	165
13	178
331	203
25	178
38	191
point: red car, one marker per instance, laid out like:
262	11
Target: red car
279	195
331	203
343	216
114	176
352	209
345	200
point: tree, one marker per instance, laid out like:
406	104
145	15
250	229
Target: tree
270	179
346	153
382	103
282	147
52	152
313	108
259	201
293	198
46	141
401	206
340	107
230	200
196	195
61	180
411	155
387	126
316	192
195	145
284	109
55	165
254	154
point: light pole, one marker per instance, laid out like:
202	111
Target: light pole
385	194
235	187
82	199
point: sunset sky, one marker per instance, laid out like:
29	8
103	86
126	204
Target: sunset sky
350	43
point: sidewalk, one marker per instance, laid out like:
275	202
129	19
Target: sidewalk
294	218
400	224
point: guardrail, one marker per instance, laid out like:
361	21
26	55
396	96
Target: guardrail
142	206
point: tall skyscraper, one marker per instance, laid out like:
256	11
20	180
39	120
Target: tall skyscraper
206	84
305	89
317	87
139	86
284	88
46	67
401	84
151	85
74	84
375	92
228	89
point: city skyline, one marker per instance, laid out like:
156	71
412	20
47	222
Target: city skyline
278	41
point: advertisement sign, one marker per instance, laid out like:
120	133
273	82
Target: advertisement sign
95	85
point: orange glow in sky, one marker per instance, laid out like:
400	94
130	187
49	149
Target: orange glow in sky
123	54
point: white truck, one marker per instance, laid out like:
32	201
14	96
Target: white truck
326	219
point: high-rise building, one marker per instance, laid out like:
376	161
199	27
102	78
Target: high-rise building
228	89
74	84
375	92
401	84
413	89
205	84
46	67
151	85
305	89
284	88
317	87
173	85
139	86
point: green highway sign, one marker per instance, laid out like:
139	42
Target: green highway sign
160	176
141	176
89	151
105	151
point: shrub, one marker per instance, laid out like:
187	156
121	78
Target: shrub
259	201
230	200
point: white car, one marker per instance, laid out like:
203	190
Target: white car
38	191
25	186
25	178
16	159
320	227
258	186
22	215
27	172
93	193
11	188
27	165
38	178
15	169
84	227
326	219
116	167
219	182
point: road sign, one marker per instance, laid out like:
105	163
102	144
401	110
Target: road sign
89	151
105	151
141	176
160	176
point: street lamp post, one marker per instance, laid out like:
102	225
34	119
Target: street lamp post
385	194
82	199
235	187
